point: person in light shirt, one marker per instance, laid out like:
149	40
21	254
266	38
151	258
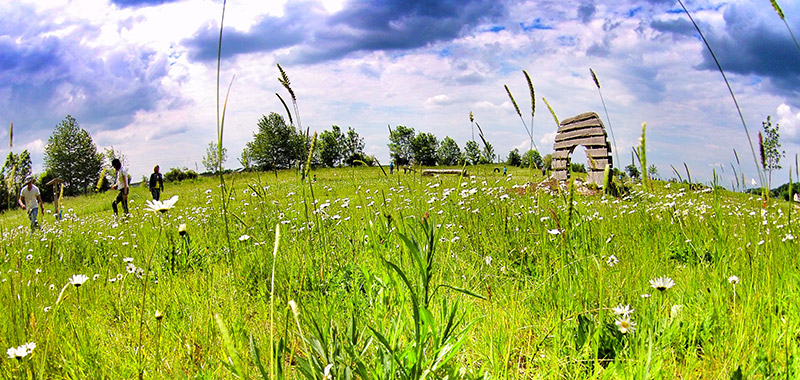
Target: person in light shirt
30	199
122	185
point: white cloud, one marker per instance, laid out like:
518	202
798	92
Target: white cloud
789	121
438	101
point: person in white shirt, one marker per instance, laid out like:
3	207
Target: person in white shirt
30	199
122	185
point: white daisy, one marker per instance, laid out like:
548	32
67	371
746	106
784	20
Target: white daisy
625	325
130	268
612	260
244	237
78	279
159	206
733	279
662	283
623	310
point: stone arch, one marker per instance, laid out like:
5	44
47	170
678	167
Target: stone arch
585	130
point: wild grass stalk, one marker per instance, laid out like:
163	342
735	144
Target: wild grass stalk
519	113
779	11
220	128
533	104
730	90
608	119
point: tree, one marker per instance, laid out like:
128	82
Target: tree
771	152
423	149
472	154
400	144
330	146
532	156
632	171
547	162
653	171
14	171
353	148
514	159
244	159
276	145
577	167
72	156
108	178
212	160
448	153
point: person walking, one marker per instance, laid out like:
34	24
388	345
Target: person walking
30	199
156	184
122	185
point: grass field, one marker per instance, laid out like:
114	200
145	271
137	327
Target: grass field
404	277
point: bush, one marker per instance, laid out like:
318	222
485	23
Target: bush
577	167
175	174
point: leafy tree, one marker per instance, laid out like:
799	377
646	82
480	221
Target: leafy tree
514	159
653	170
400	144
448	153
423	149
109	154
487	154
244	159
353	148
532	155
276	145
330	148
14	171
771	152
212	160
576	167
472	154
632	171
175	174
547	162
72	156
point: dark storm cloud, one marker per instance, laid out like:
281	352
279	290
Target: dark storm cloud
48	77
140	3
750	44
363	26
586	12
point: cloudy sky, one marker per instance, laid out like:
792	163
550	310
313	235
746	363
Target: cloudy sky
140	75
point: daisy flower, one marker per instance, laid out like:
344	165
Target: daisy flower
662	283
159	206
612	260
733	279
623	310
78	279
625	325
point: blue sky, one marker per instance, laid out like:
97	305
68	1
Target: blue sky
140	75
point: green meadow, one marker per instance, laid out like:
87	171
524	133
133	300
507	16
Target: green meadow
364	275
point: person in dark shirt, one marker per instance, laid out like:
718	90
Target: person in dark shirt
156	184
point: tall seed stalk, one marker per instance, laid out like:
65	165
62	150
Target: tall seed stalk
220	127
519	113
780	14
608	119
533	103
730	90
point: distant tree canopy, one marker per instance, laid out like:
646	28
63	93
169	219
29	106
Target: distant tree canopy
335	148
276	145
400	139
423	149
448	153
211	160
472	153
13	173
532	158
71	155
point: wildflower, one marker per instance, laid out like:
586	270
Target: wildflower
159	206
21	351
645	295
139	272
128	260
182	229
326	373
662	283
78	279
554	231
130	268
612	260
675	310
96	276
625	325
293	306
29	257
159	315
244	237
733	279
623	310
488	260
46	309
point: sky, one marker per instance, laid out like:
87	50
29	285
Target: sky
140	75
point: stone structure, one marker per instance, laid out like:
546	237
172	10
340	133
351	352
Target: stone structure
587	130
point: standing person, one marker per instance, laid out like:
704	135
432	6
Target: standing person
122	185
391	167
156	184
30	199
